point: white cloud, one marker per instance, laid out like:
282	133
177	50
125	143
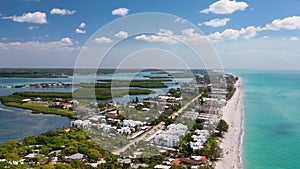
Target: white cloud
122	34
293	38
82	25
65	44
35	17
216	22
32	27
32	53
288	23
225	7
180	20
80	28
232	34
226	34
168	36
102	40
156	38
191	35
80	31
120	11
66	41
250	32
58	11
165	36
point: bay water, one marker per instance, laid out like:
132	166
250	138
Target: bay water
16	123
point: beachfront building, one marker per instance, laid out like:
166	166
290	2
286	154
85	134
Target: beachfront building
199	139
211	120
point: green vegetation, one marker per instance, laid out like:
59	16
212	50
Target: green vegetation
39	108
165	115
106	94
152	161
176	75
35	73
175	92
74	141
147	83
184	146
15	100
211	149
230	89
222	127
43	95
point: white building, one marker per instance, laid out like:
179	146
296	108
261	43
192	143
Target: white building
131	123
81	124
162	166
171	136
199	139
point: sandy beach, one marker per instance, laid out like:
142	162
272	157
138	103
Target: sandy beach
233	114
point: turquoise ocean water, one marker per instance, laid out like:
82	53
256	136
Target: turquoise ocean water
272	120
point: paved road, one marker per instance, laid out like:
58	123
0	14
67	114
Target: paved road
155	128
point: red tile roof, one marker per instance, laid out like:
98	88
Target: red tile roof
190	161
176	162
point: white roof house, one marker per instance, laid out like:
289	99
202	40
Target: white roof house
31	155
81	124
78	156
26	100
162	166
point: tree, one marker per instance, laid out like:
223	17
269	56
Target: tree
70	150
41	159
30	140
222	127
94	155
11	157
121	117
63	166
5	165
212	149
45	150
47	166
76	163
118	126
136	99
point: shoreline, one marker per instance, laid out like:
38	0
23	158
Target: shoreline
232	143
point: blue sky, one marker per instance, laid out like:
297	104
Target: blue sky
247	34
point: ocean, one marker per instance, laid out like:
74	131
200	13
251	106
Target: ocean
272	119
